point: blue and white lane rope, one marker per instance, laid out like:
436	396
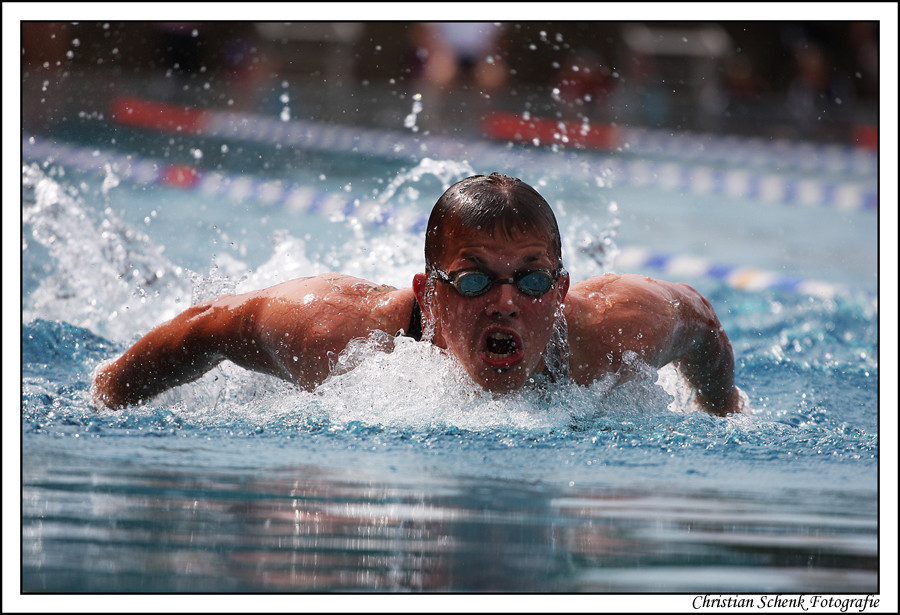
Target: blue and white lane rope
741	278
264	191
769	188
688	177
750	152
300	198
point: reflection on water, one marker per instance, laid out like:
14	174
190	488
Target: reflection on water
89	529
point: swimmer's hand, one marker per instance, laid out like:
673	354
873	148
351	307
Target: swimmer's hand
742	403
102	392
736	403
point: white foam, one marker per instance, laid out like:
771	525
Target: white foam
103	275
421	387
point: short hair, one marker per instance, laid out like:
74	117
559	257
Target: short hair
491	204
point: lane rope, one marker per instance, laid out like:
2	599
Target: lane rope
755	152
679	266
303	199
693	164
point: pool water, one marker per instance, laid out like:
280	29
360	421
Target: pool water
399	475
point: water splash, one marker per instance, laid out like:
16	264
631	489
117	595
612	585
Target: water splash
289	260
603	248
100	274
429	322
285	98
557	353
447	172
410	120
420	387
214	284
110	180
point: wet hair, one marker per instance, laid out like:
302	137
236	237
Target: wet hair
492	204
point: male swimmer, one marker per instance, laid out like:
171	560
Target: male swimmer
493	288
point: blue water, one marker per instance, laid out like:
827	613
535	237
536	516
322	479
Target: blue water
400	476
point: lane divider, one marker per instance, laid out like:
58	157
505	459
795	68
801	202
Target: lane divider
860	161
738	277
299	198
505	126
134	111
744	151
692	174
755	152
264	191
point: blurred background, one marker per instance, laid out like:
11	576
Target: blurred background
813	81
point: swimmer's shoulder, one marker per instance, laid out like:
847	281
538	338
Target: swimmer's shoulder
594	284
612	283
376	305
327	306
604	298
323	285
619	289
334	292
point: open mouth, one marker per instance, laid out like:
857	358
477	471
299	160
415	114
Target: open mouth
501	348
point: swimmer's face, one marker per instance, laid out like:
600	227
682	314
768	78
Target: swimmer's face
499	336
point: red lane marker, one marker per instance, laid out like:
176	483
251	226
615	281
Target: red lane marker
865	136
181	175
134	111
512	127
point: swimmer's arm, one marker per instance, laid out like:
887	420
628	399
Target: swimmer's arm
180	351
658	322
708	362
293	331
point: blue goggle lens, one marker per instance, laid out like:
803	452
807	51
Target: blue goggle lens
473	283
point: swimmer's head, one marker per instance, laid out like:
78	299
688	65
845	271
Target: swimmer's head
496	205
499	321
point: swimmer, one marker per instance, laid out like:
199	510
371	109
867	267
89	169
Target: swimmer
493	289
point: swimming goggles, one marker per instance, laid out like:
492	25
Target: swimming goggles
532	282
